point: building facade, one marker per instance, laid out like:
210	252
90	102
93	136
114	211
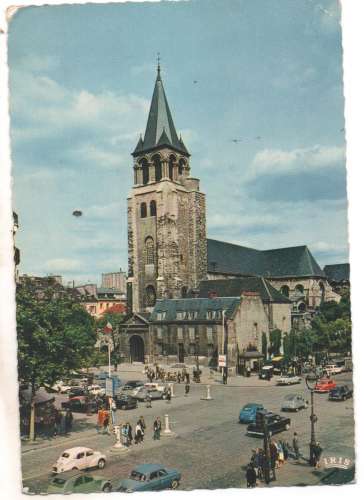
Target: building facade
166	214
115	280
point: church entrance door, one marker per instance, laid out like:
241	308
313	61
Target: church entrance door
181	353
136	348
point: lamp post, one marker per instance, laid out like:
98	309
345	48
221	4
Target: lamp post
311	380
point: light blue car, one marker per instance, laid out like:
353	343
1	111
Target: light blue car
248	413
150	477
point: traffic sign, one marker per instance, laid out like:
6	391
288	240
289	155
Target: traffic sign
222	360
110	384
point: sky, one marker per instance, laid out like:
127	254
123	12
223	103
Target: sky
267	73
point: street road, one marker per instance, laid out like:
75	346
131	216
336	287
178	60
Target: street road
211	446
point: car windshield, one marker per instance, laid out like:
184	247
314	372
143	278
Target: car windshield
65	455
58	481
290	397
249	406
137	476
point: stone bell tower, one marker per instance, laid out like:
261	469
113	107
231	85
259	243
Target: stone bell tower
167	247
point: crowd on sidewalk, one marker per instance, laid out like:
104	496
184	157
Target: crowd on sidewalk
279	453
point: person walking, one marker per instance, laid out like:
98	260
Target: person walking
187	388
317	452
130	434
106	422
68	421
273	458
124	435
143	426
280	453
113	411
295	446
157	427
148	401
138	434
168	395
251	476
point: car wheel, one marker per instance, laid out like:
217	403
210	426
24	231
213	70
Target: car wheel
101	463
107	488
174	484
287	426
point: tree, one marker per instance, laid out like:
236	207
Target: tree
264	345
55	336
275	337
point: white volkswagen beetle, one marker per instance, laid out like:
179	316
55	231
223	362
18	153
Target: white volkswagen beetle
79	458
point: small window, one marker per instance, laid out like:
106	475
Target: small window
149	247
180	333
209	335
80	455
154	475
153	208
143	210
89	453
162	473
159	333
191	333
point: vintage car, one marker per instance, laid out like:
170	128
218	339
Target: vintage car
294	402
125	401
80	404
332	369
288	380
325	385
130	385
141	394
248	412
79	458
76	482
340	393
76	390
155	385
96	390
266	373
275	423
150	477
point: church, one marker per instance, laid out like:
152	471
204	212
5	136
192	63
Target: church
190	296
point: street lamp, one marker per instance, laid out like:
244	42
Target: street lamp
311	380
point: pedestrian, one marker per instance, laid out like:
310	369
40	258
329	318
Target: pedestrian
69	421
285	449
143	426
179	377
280	453
168	395
295	446
100	420
113	411
124	435
187	378
251	476
148	400
138	434
187	388
62	429
130	434
106	422
317	452
260	462
157	427
273	455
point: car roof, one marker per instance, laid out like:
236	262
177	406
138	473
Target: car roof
252	405
76	449
291	396
148	468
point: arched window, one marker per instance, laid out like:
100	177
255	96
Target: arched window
158	167
150	296
149	247
302	307
181	165
143	210
153	208
171	162
299	288
145	170
285	290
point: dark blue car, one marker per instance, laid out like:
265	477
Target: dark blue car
248	413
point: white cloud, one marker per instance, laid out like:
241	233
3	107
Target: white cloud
276	161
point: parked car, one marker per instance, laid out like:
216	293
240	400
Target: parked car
340	393
101	376
80	404
289	380
155	385
275	423
76	482
332	369
125	402
132	384
249	411
150	477
141	393
96	390
76	391
294	402
79	458
266	373
325	385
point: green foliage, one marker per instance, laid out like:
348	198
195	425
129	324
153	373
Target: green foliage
275	338
55	336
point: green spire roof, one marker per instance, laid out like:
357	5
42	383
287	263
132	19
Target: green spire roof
160	130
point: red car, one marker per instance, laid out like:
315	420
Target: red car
325	385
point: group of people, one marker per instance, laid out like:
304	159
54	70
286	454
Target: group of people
136	435
159	373
50	424
279	453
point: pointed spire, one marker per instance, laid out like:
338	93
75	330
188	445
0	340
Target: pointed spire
139	146
160	123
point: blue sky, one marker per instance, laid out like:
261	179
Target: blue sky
268	72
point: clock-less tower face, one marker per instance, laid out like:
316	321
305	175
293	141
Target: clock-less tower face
166	214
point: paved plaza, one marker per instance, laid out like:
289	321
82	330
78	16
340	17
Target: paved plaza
210	447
